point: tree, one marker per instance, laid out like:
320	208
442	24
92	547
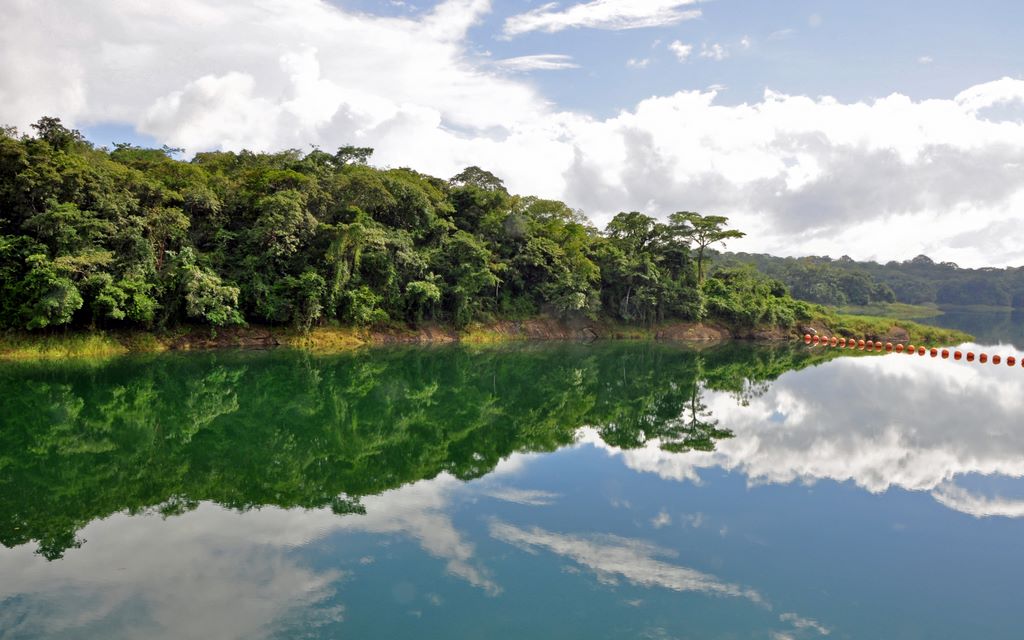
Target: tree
702	232
477	177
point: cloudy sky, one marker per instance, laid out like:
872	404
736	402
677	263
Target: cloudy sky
874	129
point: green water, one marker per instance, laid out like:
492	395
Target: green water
617	490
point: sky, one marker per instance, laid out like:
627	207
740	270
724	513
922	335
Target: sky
873	129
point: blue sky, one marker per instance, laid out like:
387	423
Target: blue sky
806	122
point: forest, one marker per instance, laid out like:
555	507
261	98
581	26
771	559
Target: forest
98	238
920	280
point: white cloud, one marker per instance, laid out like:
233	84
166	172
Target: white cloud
542	62
714	51
938	176
602	14
611	557
638	63
925	60
681	50
746	42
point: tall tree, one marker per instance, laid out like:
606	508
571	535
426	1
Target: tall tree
702	232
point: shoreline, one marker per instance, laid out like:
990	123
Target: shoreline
99	344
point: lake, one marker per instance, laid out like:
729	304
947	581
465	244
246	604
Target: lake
611	490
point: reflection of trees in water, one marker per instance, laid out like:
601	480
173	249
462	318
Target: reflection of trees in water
287	429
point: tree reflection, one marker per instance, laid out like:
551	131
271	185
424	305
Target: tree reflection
244	430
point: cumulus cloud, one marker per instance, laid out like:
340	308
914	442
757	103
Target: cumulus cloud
799	174
542	62
638	63
602	14
681	49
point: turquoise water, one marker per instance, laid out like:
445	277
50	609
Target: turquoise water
625	490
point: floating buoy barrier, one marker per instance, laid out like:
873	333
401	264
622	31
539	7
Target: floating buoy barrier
910	349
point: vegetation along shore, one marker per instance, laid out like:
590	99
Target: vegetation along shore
110	251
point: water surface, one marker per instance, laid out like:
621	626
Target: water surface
617	490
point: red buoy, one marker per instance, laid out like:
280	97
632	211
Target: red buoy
1011	361
833	341
934	352
957	355
970	356
982	358
888	346
921	351
911	349
899	348
860	344
996	359
945	353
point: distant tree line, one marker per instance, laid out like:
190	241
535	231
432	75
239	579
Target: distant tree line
133	237
917	281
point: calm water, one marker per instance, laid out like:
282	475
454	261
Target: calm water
989	326
550	491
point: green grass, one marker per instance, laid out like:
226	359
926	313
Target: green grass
17	346
898	310
858	326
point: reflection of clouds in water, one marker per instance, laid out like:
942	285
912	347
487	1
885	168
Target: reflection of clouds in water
213	572
194	576
532	497
957	498
804	623
419	510
611	557
882	421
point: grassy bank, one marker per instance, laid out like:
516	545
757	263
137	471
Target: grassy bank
849	325
897	310
100	344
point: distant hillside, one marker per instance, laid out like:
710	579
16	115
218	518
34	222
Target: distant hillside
920	280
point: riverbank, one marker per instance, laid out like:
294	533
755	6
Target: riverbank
24	346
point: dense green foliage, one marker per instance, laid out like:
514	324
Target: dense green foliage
133	237
916	281
83	441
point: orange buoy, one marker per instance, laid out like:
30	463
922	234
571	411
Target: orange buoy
833	341
921	351
970	356
860	344
1011	361
888	346
842	342
996	359
982	358
957	355
934	352
945	353
899	348
911	349
807	337
816	339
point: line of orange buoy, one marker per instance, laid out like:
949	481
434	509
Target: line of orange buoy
888	347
